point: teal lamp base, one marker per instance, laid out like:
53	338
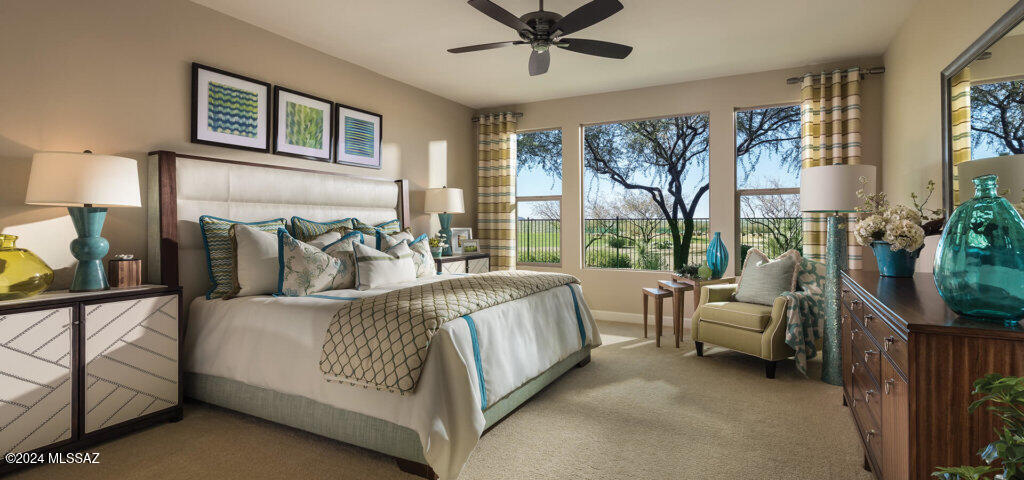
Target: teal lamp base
446	231
89	249
835	261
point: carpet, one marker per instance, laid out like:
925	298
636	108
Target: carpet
635	412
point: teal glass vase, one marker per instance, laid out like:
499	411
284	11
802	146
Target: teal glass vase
718	256
979	263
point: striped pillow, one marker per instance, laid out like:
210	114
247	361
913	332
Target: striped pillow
220	253
389	227
306	230
375	268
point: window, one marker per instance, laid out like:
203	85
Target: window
539	197
645	193
768	180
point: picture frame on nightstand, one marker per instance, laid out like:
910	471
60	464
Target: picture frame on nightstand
458	235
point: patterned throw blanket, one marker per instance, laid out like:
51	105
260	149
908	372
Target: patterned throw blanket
382	341
804	310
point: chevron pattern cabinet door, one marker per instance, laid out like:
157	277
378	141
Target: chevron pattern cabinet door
131	359
479	265
35	379
453	267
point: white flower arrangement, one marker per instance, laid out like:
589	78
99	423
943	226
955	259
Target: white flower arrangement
899	225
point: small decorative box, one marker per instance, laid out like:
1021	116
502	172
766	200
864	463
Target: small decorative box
124	271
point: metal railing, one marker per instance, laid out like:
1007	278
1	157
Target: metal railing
645	244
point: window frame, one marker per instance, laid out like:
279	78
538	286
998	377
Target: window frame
543	198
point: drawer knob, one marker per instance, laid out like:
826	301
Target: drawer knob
867	355
870	434
853	368
868	317
889	384
854	302
889	341
868	394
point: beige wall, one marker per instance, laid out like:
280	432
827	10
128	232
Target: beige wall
934	34
113	76
617	290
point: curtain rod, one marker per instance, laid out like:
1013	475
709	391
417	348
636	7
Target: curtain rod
866	71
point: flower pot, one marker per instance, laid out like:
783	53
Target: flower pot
899	263
436	251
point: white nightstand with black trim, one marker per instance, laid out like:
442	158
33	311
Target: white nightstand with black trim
80	368
467	263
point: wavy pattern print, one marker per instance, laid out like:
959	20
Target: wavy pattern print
232	110
304	125
358	137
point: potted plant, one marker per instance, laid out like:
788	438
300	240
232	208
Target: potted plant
1004	457
896	232
437	245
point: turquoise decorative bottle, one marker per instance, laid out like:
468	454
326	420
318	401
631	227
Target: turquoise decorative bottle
718	256
979	263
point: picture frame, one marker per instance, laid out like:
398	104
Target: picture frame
458	235
303	125
243	123
470	246
358	136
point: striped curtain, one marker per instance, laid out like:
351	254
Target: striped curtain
960	109
829	135
496	188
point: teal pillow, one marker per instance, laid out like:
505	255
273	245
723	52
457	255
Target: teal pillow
220	253
764	280
306	230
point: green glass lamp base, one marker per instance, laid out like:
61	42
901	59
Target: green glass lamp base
89	249
835	261
446	231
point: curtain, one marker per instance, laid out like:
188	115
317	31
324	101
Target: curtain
829	135
960	114
496	188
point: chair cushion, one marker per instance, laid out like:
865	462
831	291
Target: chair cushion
748	316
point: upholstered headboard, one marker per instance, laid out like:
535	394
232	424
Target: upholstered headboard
184	187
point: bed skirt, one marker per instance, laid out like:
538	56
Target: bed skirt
346	426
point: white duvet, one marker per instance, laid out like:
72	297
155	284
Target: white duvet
275	343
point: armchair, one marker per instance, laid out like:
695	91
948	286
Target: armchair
758	330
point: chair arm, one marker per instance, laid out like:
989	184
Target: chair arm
773	342
717	293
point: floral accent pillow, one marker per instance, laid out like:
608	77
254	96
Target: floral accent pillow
305	269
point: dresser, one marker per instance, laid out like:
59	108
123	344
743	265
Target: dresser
467	263
908	368
79	368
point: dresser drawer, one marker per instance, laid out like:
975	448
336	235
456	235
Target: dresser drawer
478	265
453	267
865	351
889	341
867	393
850	301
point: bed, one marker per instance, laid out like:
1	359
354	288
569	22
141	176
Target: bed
259	354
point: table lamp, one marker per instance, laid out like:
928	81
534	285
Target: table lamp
87	184
1009	169
833	189
444	202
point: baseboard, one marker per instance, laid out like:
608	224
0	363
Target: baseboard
636	318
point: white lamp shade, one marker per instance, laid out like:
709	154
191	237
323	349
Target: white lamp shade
444	200
1009	169
76	179
833	188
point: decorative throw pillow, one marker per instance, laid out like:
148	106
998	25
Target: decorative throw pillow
305	269
397	237
342	249
365	228
763	280
306	230
256	264
321	241
389	227
220	256
375	268
421	255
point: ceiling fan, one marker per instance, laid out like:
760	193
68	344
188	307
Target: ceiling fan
543	30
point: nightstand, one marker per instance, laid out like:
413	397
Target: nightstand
80	368
467	263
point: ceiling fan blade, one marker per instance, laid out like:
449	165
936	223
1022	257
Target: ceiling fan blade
539	62
491	9
595	47
485	46
587	15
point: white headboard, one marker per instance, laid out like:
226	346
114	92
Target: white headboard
184	187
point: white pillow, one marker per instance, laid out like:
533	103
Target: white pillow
421	255
375	268
342	250
256	261
382	238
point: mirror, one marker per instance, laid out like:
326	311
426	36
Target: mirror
983	113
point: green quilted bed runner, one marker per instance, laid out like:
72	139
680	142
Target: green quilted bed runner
381	341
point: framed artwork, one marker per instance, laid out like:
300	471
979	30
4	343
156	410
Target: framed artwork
458	236
230	110
303	125
359	134
470	246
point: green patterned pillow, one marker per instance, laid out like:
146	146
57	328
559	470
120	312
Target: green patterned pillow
305	269
306	230
365	228
220	254
390	227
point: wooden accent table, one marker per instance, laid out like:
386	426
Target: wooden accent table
658	295
696	284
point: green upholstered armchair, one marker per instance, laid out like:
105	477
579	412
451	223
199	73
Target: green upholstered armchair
758	330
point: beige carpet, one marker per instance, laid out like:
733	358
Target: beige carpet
635	412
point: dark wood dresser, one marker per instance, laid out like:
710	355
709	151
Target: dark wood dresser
908	368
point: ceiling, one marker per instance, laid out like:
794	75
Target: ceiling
673	40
